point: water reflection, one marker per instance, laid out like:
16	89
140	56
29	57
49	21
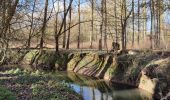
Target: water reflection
96	89
93	93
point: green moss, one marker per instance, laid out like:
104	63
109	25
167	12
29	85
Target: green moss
5	94
77	57
62	60
30	55
90	60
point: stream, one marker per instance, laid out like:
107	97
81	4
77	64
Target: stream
98	89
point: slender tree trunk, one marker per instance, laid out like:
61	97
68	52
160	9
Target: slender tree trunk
122	26
92	22
31	26
159	18
44	25
151	28
124	18
133	23
125	22
101	26
115	8
105	22
138	22
158	22
64	35
144	21
78	37
69	32
56	29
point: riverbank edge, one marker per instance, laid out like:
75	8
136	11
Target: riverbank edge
130	67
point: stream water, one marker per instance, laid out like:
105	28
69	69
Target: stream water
97	89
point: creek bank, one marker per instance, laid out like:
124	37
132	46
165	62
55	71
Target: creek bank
19	84
147	70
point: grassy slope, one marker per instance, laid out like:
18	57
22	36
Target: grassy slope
21	84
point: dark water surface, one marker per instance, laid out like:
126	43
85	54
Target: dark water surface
97	89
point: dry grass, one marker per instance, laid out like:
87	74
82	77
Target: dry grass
50	43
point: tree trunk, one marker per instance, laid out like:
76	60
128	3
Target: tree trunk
105	22
92	22
115	8
101	26
59	32
78	37
31	27
64	35
138	22
133	23
151	30
44	25
69	32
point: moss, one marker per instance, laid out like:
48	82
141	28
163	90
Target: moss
90	61
61	61
109	73
5	94
107	62
72	64
28	57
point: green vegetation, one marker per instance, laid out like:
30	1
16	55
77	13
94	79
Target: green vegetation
5	94
35	85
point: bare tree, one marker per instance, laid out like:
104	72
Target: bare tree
31	26
124	17
44	25
59	32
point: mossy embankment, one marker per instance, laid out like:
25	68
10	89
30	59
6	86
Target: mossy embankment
148	70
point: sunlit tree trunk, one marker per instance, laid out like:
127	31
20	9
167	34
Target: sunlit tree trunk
138	22
78	37
59	32
151	27
133	23
116	28
69	31
8	10
105	22
101	25
92	25
122	26
56	29
64	35
144	21
44	25
125	23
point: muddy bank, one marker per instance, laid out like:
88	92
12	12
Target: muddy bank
144	69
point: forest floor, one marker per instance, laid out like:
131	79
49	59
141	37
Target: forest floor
17	84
